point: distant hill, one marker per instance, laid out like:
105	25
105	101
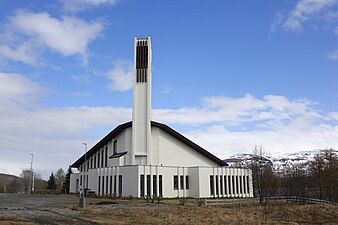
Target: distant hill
6	179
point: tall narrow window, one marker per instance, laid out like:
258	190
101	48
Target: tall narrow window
87	165
187	182
247	184
212	186
99	186
94	161
107	184
225	186
106	157
160	188
154	185
91	163
111	185
181	182
98	160
237	185
142	186
115	147
148	186
217	190
221	184
103	185
233	185
229	185
175	182
240	185
102	158
120	185
80	180
115	181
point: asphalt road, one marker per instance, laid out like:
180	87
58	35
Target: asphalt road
40	209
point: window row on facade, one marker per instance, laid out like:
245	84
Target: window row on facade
229	185
151	186
110	185
99	159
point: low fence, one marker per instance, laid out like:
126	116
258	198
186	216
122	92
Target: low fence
300	200
241	202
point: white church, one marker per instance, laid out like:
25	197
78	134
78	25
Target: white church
143	158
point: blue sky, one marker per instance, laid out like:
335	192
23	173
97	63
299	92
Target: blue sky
227	74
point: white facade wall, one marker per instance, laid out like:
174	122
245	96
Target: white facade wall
175	153
106	181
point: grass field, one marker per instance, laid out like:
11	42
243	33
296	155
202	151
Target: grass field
64	209
174	214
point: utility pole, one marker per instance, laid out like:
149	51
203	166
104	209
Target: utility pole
82	202
32	181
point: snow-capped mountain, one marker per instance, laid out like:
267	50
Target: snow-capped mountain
280	161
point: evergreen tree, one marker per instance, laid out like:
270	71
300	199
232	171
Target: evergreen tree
66	183
51	183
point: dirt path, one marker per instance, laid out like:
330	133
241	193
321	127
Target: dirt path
39	209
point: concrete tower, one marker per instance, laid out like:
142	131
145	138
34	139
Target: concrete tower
141	127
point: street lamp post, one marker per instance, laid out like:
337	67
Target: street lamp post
32	178
84	189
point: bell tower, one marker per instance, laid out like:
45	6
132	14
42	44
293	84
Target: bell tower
141	125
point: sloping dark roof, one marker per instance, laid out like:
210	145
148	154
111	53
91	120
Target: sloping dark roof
163	127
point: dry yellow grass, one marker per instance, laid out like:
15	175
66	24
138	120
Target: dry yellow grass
174	214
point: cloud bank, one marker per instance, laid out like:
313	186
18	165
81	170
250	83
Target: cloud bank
223	125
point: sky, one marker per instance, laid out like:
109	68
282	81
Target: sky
229	75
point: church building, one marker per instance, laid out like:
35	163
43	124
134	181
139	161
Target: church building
143	158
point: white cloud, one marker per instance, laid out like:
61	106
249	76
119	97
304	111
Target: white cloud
238	110
221	124
121	76
79	5
333	55
68	36
303	11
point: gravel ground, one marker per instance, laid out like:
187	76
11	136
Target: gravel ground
40	209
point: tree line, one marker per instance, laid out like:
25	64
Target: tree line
317	178
57	183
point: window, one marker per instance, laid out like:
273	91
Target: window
175	182
115	185
225	186
103	185
212	186
142	185
80	180
186	182
160	188
217	190
233	184
87	165
154	185
98	160
240	185
247	184
120	185
106	157
91	163
102	158
94	161
115	147
237	185
99	186
181	182
111	185
107	184
229	185
148	186
221	184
